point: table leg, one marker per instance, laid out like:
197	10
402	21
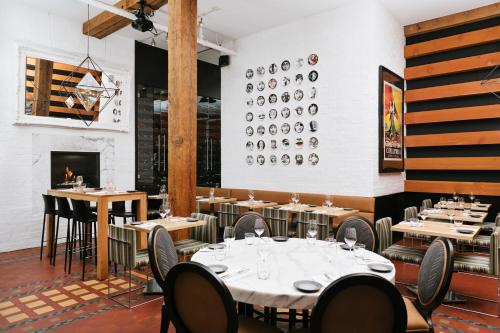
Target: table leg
142	215
49	234
102	238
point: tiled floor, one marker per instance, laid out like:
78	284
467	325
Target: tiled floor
37	297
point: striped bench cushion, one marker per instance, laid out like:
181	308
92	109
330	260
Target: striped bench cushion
417	236
403	253
471	263
141	258
188	247
479	240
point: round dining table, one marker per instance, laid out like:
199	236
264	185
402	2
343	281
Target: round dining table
288	262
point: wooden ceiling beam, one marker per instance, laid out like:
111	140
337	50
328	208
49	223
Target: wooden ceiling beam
106	23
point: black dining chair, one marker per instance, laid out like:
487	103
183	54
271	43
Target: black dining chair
357	303
434	278
162	257
246	223
49	208
63	211
118	209
365	231
198	301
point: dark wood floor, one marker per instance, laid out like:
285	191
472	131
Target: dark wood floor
37	297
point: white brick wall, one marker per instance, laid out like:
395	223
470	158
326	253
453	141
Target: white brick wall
351	41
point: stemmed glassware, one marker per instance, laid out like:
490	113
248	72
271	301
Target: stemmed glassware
312	231
461	203
229	236
211	194
165	209
423	213
328	201
350	237
259	227
79	180
472	197
442	202
251	196
455	196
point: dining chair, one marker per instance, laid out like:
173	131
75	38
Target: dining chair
206	308
412	213
162	257
322	221
86	222
278	220
199	237
365	231
245	223
427	203
63	211
359	303
228	213
434	279
118	209
49	208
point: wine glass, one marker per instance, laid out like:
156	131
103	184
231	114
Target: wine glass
293	198
251	196
461	203
350	237
165	210
211	194
79	180
423	213
472	197
328	201
457	222
455	196
442	202
312	231
259	227
229	236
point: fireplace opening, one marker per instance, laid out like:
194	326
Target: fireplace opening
65	166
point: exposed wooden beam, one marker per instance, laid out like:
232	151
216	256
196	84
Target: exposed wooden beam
453	42
453	163
182	107
478	188
453	139
42	83
453	66
454	114
105	23
453	20
452	90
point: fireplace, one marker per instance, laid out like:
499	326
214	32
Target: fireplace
66	165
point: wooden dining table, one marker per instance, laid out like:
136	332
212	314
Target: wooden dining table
443	214
436	229
482	207
102	198
256	204
214	201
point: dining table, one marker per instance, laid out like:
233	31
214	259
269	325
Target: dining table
212	201
482	207
444	214
252	205
437	229
288	262
102	198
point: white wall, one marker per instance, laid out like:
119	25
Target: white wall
20	207
351	42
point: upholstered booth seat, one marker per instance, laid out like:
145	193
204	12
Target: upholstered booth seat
479	240
188	247
200	237
228	214
416	322
481	263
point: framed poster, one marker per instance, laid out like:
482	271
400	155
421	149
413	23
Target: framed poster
391	121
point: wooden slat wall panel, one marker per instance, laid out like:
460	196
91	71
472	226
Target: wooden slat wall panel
478	188
454	42
453	139
452	90
453	114
453	66
453	20
453	163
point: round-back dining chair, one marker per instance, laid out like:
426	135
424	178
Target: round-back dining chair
246	223
365	231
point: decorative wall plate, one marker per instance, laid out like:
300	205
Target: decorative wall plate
273	159
261	70
273	68
272	83
273	129
249	88
250	102
249	145
313	142
312	109
249	130
313	59
261	85
298	95
285	143
285	65
249	159
273	113
313	159
299	159
285	159
298	79
261	115
273	98
298	127
249	74
285	97
299	110
313	76
285	112
249	116
285	128
313	92
261	100
299	63
299	143
313	125
261	159
261	130
274	144
285	81
261	145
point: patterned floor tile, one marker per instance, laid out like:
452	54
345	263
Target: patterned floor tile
99	286
79	292
28	298
6	305
90	282
67	303
9	311
89	297
51	292
17	317
71	287
58	298
118	281
35	304
43	310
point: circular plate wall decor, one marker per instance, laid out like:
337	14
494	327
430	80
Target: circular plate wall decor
298	95
249	145
285	81
313	125
261	159
313	76
273	159
261	85
273	129
285	112
261	145
285	128
299	110
274	144
273	98
250	102
298	79
249	116
299	63
261	130
313	92
261	100
249	88
313	59
298	127
273	114
313	142
299	159
285	97
312	109
313	159
285	65
249	130
273	68
249	159
285	143
261	115
249	74
272	83
299	143
261	70
285	159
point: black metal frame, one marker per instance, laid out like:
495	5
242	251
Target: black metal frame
213	279
372	227
348	281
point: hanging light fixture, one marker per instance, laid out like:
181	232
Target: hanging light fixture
95	89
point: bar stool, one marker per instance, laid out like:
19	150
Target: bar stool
49	204
63	211
85	221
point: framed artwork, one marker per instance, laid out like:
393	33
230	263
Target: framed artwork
391	121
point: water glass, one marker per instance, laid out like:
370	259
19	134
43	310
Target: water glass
331	250
220	253
312	232
263	268
249	238
359	251
79	180
229	236
457	222
211	194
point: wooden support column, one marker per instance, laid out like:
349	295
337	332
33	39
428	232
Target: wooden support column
182	107
42	89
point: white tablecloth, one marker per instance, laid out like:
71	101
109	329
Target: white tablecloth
289	262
